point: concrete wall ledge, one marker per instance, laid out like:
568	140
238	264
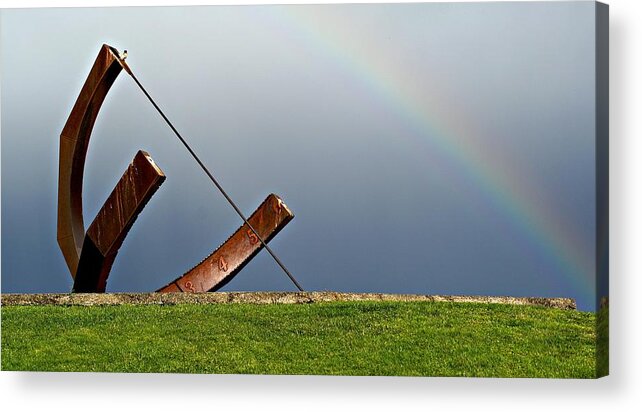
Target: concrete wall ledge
101	299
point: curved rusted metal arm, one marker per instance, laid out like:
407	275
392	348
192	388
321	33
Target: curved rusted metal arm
90	255
74	141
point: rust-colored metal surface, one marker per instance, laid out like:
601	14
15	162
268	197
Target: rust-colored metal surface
74	141
108	230
224	263
90	255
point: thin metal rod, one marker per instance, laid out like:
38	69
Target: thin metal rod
216	183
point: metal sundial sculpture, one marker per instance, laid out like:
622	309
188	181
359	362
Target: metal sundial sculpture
90	254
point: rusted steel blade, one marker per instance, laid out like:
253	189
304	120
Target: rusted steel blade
74	141
108	230
224	263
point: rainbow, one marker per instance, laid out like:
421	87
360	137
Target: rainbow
508	191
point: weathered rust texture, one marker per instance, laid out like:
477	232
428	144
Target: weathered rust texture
108	230
90	255
224	263
74	141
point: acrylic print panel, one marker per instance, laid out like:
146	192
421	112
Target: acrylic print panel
447	166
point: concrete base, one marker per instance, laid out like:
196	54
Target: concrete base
92	299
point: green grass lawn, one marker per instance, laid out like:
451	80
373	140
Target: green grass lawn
338	338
